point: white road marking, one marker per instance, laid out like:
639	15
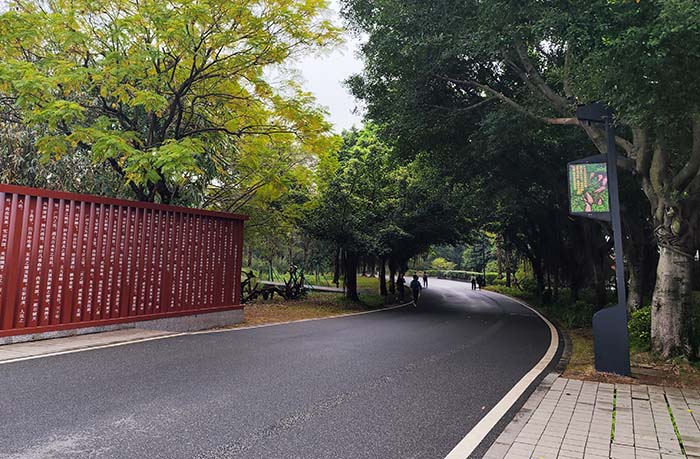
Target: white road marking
475	436
90	348
174	335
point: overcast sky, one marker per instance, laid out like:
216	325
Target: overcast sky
324	76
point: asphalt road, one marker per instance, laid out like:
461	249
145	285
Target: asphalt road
405	383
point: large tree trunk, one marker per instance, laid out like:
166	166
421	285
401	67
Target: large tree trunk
671	325
392	278
642	261
508	269
306	252
676	230
635	297
350	275
382	276
336	267
639	246
539	276
499	257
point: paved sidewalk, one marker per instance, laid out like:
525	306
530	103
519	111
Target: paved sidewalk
572	419
10	352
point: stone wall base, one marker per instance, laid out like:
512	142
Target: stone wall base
189	323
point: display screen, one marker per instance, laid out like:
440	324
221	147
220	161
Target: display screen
588	188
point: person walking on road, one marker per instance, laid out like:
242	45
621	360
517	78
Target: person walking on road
473	282
400	282
415	288
425	280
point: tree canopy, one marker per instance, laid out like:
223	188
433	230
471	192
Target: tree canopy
435	71
170	94
376	204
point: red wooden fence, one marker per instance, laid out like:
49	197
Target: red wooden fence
70	261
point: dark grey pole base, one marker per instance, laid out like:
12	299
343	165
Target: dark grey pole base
610	340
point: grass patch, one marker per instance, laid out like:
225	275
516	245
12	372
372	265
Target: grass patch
314	306
368	291
646	369
614	416
581	362
675	426
367	284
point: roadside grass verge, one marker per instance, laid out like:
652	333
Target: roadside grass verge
315	305
646	368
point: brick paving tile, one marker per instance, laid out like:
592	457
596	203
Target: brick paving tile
569	419
622	452
497	451
647	454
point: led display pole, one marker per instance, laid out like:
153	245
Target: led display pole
591	184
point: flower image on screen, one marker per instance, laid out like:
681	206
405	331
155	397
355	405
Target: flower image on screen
588	188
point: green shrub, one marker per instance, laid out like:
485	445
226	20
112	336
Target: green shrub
461	275
525	295
573	315
567	314
501	281
639	327
528	283
441	263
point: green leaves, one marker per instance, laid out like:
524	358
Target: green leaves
177	160
377	205
149	101
57	112
113	145
165	92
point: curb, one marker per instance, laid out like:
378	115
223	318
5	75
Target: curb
178	334
531	379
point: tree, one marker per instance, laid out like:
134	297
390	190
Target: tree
167	94
376	205
459	58
442	264
349	208
21	164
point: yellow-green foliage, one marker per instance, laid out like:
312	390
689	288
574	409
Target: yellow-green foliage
168	93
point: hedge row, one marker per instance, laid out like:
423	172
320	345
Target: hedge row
460	275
